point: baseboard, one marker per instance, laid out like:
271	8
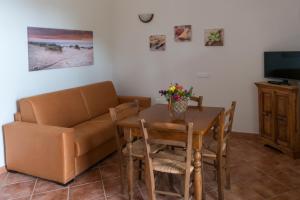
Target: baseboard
245	134
3	170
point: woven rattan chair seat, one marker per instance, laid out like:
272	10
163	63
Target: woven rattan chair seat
138	149
170	165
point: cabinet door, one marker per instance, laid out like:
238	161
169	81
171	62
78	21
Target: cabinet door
282	112
266	113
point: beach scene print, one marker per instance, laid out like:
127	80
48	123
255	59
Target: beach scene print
59	48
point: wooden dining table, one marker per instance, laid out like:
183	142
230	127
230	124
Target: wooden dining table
203	118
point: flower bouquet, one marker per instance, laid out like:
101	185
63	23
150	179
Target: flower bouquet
177	98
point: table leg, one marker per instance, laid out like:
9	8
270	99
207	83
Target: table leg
130	169
198	173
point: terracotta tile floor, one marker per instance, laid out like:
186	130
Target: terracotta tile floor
257	173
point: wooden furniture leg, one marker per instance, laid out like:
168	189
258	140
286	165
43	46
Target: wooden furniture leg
130	167
198	171
203	185
121	166
220	180
227	167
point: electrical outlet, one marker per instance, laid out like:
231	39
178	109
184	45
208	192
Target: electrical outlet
202	75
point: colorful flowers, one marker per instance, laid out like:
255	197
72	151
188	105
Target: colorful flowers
175	92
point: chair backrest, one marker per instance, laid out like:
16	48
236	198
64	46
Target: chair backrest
168	134
198	100
120	112
229	114
225	126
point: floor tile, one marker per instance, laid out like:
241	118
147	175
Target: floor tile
2	178
112	159
290	195
113	186
22	198
45	186
257	173
16	190
89	176
89	191
110	171
286	176
117	197
245	173
16	178
53	195
266	187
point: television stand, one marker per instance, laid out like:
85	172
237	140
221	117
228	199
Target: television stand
278	117
283	82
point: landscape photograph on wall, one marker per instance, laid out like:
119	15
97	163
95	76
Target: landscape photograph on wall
59	48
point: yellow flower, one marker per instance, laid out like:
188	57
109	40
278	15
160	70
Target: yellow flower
172	88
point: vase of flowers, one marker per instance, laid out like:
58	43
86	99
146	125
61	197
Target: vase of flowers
177	98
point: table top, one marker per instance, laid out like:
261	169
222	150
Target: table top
203	117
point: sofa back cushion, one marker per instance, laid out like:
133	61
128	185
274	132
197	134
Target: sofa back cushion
64	108
99	97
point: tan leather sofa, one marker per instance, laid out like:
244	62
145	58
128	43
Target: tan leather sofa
58	135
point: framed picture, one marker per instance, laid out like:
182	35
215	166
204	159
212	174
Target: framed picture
214	37
157	42
59	48
183	33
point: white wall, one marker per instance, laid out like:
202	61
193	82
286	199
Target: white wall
251	27
15	80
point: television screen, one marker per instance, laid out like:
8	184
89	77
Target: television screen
282	65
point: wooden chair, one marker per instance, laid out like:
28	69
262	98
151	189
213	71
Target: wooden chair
198	100
138	151
216	150
167	161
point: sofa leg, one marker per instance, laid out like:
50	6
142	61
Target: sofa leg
67	184
12	171
62	184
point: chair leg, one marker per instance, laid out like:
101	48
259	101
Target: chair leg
150	185
203	181
227	169
220	180
121	163
216	169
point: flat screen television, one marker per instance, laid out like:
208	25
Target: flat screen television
283	65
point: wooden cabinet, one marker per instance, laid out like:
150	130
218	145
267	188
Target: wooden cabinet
279	117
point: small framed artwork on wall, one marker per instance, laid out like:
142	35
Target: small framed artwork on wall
157	42
183	33
214	37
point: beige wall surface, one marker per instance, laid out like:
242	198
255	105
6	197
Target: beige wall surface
16	81
251	27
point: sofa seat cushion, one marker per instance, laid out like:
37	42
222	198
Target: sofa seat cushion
92	134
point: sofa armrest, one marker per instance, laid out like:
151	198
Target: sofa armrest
40	150
144	102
